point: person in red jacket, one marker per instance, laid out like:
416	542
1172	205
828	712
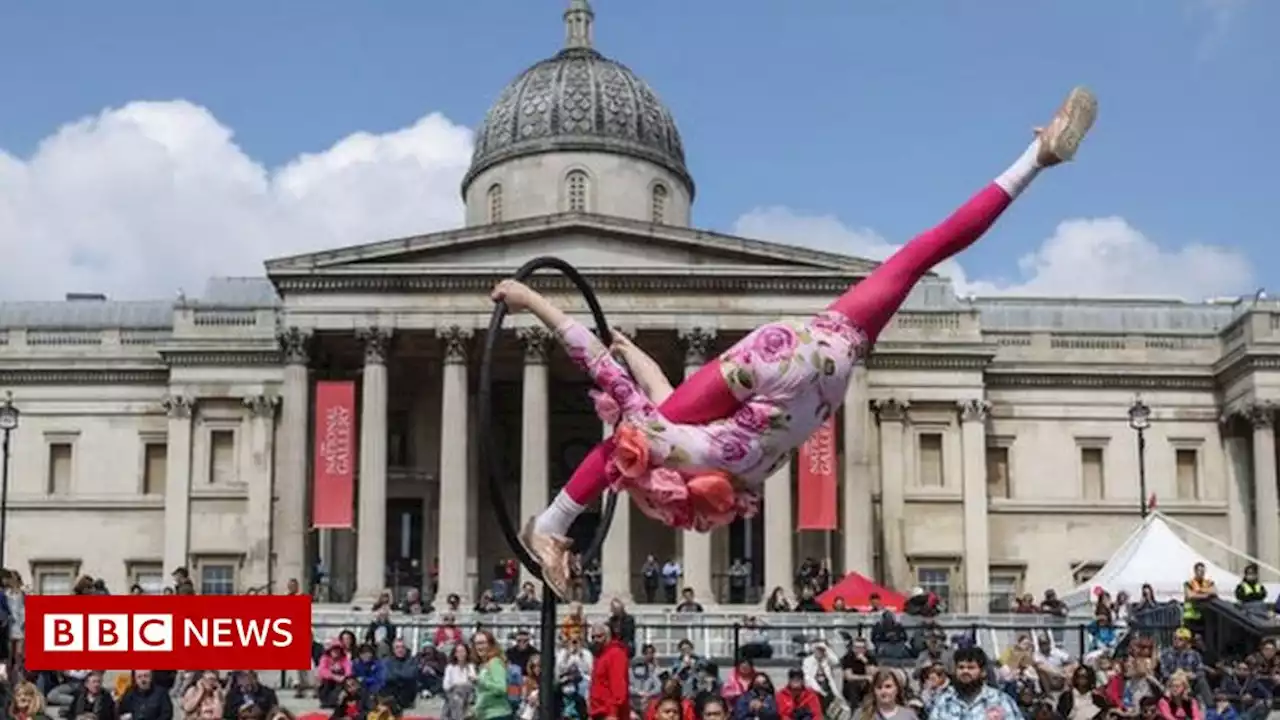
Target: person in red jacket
610	696
797	702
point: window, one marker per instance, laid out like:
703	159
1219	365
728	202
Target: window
222	457
55	578
1188	463
217	576
1092	477
930	459
60	457
658	212
1084	572
155	468
998	485
1005	587
495	203
576	191
148	575
937	580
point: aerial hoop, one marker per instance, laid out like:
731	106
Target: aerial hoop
547	689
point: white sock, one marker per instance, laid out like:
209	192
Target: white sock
558	516
1021	172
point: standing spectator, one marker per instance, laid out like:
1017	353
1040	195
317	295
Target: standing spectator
610	693
574	625
1200	588
650	573
13	617
739	576
671	574
622	625
459	683
593	576
381	633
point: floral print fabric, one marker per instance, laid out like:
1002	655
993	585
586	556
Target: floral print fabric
790	376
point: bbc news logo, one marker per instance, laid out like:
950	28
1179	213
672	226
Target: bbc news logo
132	632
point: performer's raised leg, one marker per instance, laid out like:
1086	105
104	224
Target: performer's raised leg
872	302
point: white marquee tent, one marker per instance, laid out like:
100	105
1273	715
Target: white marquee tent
1154	555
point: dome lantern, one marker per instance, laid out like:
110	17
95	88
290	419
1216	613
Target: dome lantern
578	21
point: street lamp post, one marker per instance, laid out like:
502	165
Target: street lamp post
8	423
1140	420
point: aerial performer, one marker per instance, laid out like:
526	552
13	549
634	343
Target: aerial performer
695	457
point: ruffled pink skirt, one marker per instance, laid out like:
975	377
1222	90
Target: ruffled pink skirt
688	501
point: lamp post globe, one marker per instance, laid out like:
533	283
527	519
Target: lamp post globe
1139	415
8	415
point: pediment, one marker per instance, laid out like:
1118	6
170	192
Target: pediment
586	241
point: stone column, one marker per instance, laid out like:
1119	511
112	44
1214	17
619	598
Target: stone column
1239	503
534	432
371	520
291	511
615	556
1266	503
177	490
893	501
859	516
455	485
977	552
262	431
698	565
779	531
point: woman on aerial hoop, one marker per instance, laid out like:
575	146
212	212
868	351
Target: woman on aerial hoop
695	457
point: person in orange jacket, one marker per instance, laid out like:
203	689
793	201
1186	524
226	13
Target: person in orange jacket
610	694
797	702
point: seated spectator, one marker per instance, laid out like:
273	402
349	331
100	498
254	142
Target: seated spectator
1083	700
487	604
1126	691
646	683
824	676
402	676
528	600
431	664
332	671
922	603
247	692
27	703
795	701
448	634
1102	633
381	633
758	702
688	603
93	699
570	703
1178	702
1222	709
858	665
1251	591
459	683
144	700
808	603
890	638
1242	686
1026	605
371	671
577	661
352	702
887	699
205	699
684	670
712	707
969	690
777	602
754	641
65	691
662	708
936	681
739	681
574	625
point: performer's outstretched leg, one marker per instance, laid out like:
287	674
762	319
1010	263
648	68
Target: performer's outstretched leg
871	303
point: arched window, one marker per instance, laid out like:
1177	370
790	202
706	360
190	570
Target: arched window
495	203
658	213
576	191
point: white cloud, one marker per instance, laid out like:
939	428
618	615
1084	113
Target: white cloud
155	196
1083	257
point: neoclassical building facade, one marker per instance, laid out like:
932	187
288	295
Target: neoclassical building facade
984	448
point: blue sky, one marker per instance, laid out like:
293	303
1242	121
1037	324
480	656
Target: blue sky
843	124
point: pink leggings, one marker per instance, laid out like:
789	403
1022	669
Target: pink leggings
869	305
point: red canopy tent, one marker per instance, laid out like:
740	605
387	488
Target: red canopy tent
857	589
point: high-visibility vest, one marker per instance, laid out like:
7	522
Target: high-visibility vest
1189	609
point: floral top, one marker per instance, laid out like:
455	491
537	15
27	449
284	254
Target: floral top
989	704
790	376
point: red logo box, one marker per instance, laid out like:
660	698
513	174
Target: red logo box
135	632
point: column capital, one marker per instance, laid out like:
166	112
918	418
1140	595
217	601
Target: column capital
295	343
536	342
178	406
975	410
262	406
697	344
456	341
890	410
377	343
1261	414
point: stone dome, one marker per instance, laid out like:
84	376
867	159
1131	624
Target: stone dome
579	100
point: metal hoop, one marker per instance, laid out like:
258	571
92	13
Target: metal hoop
495	459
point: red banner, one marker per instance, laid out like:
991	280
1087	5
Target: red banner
334	487
817	492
